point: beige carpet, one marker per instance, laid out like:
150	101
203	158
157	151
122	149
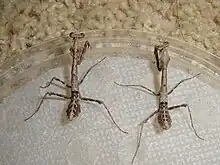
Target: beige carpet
26	23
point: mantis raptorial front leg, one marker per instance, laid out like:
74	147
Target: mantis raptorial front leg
74	108
164	119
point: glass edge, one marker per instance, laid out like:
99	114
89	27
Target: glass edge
53	49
